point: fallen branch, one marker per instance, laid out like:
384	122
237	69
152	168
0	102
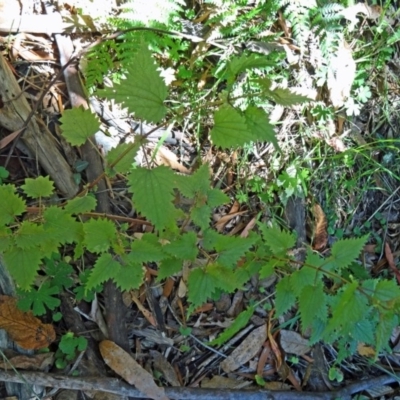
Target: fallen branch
116	386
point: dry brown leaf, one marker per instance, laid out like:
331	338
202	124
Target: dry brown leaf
365	351
125	366
246	350
166	157
37	362
293	343
162	365
22	327
320	239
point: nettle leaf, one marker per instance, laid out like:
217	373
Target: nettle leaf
29	235
6	239
240	322
285	298
305	276
125	154
23	265
100	235
284	97
145	251
259	125
41	186
78	125
201	287
38	300
277	240
143	91
345	251
312	304
224	278
11	205
230	128
60	226
387	291
185	247
103	270
80	205
128	276
216	197
387	322
153	195
269	268
169	267
198	182
201	216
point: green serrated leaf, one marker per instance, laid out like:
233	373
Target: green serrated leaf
245	61
312	304
216	197
29	235
269	267
6	239
345	251
78	125
201	287
277	240
185	247
129	276
80	205
169	267
39	187
144	251
285	298
39	299
305	276
201	216
240	322
197	183
23	265
387	291
60	226
60	273
387	322
230	128
153	195
103	270
124	154
143	91
11	205
260	127
224	278
100	235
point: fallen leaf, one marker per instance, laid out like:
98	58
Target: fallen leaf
162	365
246	350
37	362
125	366
365	351
320	239
390	260
293	343
22	327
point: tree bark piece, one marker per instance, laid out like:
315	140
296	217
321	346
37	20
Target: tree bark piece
40	142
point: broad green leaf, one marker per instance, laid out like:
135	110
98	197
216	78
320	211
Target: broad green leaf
38	299
29	235
78	125
198	182
100	235
240	322
103	270
201	216
129	276
80	205
230	128
269	267
345	251
23	265
387	322
363	331
60	226
124	154
11	205
153	195
223	277
60	273
387	291
144	251
277	240
184	247
305	276
41	186
284	97
143	91
216	197
285	298
259	125
201	287
6	239
312	304
169	267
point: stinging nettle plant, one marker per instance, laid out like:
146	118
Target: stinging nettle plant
334	302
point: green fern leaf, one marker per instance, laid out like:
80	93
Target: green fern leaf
100	235
277	240
38	187
285	298
103	270
345	251
143	91
78	125
312	304
11	205
240	322
153	195
23	265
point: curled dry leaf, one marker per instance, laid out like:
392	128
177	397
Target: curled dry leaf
125	366
320	229
37	362
22	327
294	343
